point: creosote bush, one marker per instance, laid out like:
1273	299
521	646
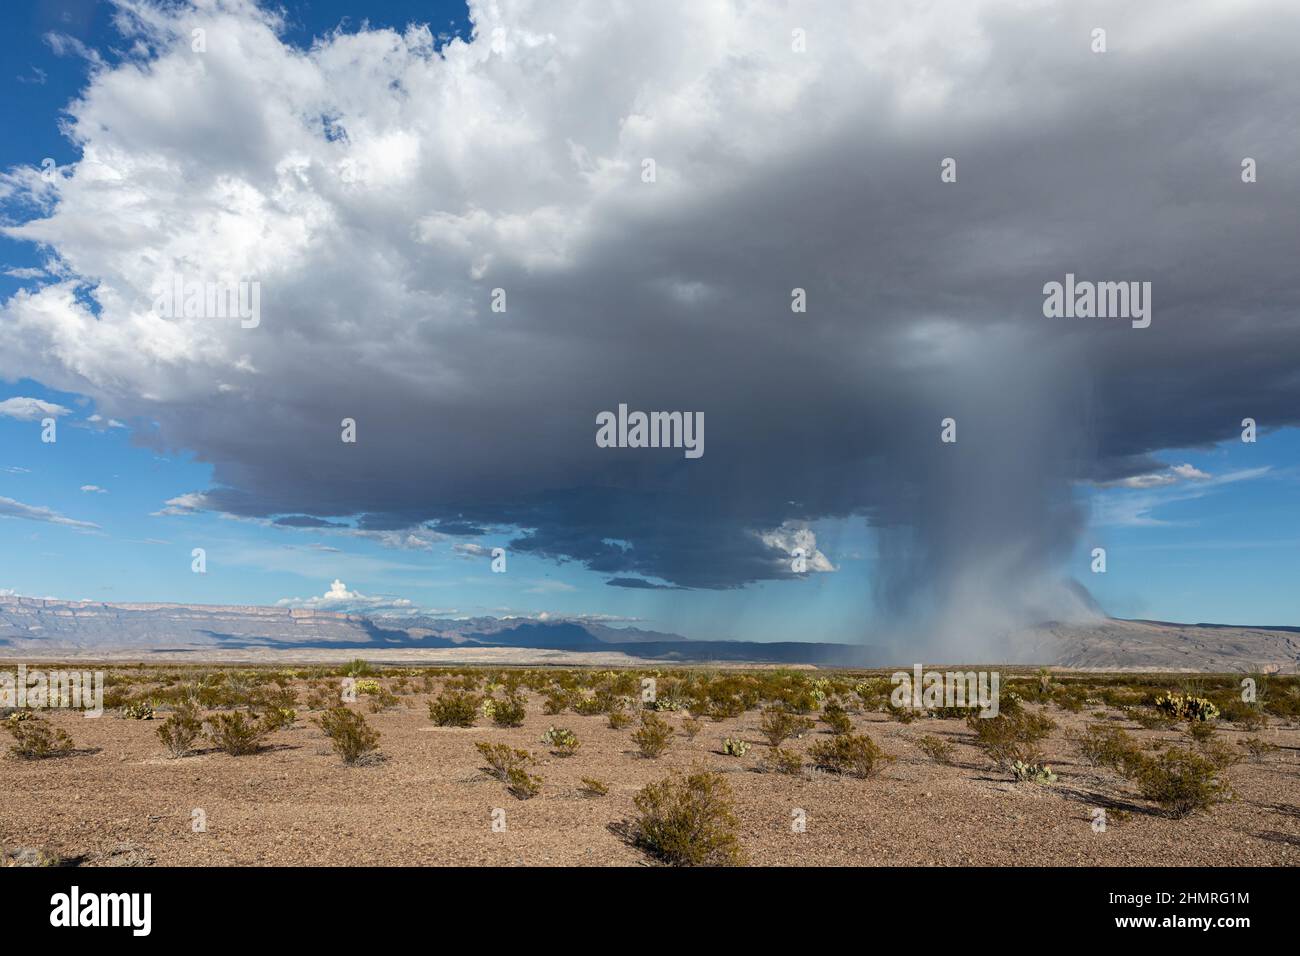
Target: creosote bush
454	709
778	725
937	749
778	760
688	821
1014	734
521	784
592	787
691	727
502	758
278	718
238	732
836	719
509	712
854	754
350	736
35	738
654	735
181	729
1258	748
1180	781
510	766
1110	747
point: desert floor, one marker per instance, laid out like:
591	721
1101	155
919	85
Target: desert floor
119	800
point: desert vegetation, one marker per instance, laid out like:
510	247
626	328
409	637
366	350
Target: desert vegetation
705	770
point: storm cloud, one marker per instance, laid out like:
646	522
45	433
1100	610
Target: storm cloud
379	189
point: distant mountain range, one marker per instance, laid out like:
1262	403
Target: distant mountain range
33	626
45	629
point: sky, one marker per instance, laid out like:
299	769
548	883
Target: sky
386	175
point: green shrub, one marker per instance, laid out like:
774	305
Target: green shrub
593	788
1110	747
238	733
779	725
592	706
357	668
654	735
369	687
1012	735
837	719
904	715
510	766
856	755
1258	748
937	749
777	760
180	730
509	712
563	742
1179	781
454	709
618	719
521	784
383	700
688	821
35	738
1218	753
502	758
351	737
691	727
278	718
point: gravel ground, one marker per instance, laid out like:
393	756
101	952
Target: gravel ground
121	801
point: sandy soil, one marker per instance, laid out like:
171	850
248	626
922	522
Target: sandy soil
121	801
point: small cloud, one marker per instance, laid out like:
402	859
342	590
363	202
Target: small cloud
471	550
16	470
25	273
1161	479
187	504
550	587
103	422
305	521
791	536
31	409
412	539
16	509
339	598
641	584
94	489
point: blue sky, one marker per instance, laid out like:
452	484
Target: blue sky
1197	534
